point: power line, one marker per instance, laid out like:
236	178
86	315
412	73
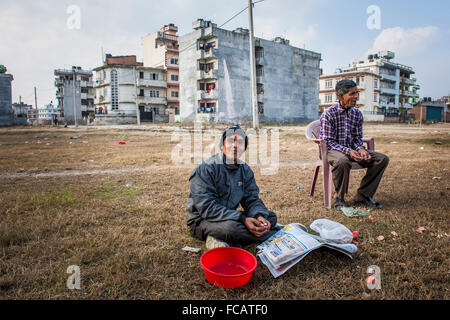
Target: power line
233	17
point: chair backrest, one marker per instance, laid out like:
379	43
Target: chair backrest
313	130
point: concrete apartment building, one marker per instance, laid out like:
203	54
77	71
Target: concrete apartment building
21	111
84	94
215	83
369	92
124	86
6	111
160	50
398	89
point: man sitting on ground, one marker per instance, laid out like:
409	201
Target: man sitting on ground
342	128
217	186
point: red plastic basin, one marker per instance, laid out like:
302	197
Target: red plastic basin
228	267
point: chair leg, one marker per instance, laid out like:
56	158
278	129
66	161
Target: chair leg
313	186
327	185
348	183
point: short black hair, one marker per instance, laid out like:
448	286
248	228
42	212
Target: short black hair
343	86
235	129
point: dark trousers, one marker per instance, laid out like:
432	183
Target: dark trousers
342	164
231	231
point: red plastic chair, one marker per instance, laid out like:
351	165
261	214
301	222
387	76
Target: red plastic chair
312	133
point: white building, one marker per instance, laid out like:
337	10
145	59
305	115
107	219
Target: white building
124	86
47	114
369	92
398	89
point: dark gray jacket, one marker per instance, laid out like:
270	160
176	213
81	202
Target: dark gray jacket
216	190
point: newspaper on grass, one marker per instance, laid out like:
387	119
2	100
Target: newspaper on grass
291	244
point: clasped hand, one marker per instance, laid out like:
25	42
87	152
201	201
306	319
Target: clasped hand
360	155
258	226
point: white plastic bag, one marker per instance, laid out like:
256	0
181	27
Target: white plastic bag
332	230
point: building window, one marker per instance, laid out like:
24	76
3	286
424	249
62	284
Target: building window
328	84
260	71
153	76
174	94
259	52
375	97
154	93
328	98
114	91
174	77
173	61
375	83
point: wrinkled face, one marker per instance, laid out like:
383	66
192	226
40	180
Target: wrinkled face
233	147
349	99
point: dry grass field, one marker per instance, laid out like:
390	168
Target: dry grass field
118	212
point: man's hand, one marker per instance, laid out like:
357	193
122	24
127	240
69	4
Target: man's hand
257	227
365	155
355	155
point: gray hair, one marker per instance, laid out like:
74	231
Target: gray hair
343	86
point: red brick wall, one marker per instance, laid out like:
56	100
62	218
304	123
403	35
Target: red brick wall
128	60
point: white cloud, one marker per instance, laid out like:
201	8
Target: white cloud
405	42
301	39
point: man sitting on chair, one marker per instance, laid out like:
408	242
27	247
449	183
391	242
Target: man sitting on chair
341	127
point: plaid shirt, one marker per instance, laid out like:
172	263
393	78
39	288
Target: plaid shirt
342	129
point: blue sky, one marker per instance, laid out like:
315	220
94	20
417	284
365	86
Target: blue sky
35	39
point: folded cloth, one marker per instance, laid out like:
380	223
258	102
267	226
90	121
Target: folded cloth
352	212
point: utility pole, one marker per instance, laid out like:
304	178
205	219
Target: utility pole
253	67
35	98
74	72
138	115
35	106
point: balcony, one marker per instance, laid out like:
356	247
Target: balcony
409	81
211	53
407	93
211	95
151	83
259	60
212	74
101	82
389	91
166	36
59	82
388	77
86	84
85	96
260	96
101	100
388	105
151	100
87	108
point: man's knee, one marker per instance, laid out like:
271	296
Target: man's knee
225	230
343	163
383	159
